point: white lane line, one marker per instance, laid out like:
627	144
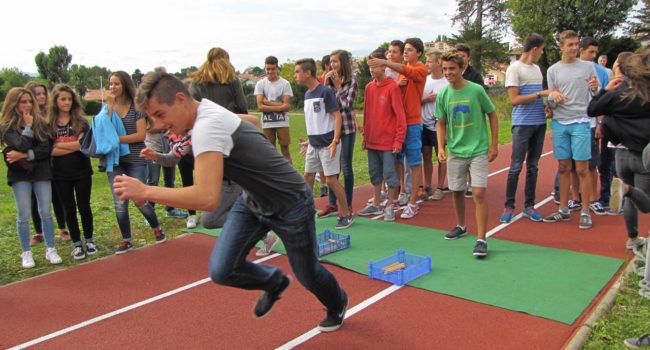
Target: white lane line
351	312
124	309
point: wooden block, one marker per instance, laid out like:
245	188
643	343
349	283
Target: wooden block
331	240
394	267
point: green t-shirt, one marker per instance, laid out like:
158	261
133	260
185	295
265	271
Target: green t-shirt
464	111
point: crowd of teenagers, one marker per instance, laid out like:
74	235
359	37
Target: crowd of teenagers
230	170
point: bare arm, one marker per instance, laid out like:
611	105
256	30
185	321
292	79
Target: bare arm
517	99
493	150
139	135
250	118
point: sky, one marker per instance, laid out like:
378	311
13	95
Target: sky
125	35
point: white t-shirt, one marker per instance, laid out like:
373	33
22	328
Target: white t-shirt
274	91
432	86
213	129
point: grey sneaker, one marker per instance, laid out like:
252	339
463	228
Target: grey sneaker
638	343
635	243
557	217
480	249
389	213
344	222
403	199
585	221
456	233
437	195
370	210
574	205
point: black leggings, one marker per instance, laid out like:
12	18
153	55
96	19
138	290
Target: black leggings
640	199
58	211
186	168
75	194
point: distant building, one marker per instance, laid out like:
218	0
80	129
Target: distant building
93	95
437	45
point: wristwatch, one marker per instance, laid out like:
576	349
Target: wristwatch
538	94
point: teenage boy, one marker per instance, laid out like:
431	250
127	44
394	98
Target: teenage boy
461	108
524	83
384	129
411	81
323	122
575	81
273	94
274	196
434	83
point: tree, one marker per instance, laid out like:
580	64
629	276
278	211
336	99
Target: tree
485	45
363	78
612	46
53	66
640	26
9	78
79	78
137	77
185	72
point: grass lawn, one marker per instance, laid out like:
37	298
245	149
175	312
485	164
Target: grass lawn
626	319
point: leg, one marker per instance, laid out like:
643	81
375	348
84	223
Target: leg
38	226
347	153
427	166
186	168
535	147
229	194
284	138
83	190
138	171
43	190
478	169
121	207
153	175
169	178
521	139
58	210
65	189
22	191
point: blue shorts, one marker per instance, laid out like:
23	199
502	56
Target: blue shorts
412	147
572	141
381	167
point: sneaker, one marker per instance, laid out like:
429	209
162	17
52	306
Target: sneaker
267	300
446	190
344	222
597	208
574	205
403	199
532	214
38	238
324	191
480	249
334	319
267	244
456	233
616	197
191	221
438	194
328	211
52	256
638	343
27	259
585	221
468	192
176	213
557	217
65	235
78	253
370	210
633	243
383	196
91	248
507	215
160	235
410	211
556	197
422	194
124	247
389	213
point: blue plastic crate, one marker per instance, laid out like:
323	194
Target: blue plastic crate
415	266
330	242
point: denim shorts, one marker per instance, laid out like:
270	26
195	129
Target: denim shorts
412	147
572	141
381	166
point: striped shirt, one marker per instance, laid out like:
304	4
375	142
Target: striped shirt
129	121
528	78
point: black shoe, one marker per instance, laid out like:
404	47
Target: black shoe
124	247
334	319
480	249
265	302
456	233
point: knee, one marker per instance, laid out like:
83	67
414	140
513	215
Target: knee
219	275
478	194
565	168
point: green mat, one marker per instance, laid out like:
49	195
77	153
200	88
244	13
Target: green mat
551	283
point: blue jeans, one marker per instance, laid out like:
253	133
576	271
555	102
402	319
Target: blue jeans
527	144
153	176
630	169
297	230
347	151
138	171
23	197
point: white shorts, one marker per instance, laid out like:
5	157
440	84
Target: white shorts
318	159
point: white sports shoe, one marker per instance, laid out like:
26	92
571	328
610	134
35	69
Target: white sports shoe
269	242
28	259
191	221
52	256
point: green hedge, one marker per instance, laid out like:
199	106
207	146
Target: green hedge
92	107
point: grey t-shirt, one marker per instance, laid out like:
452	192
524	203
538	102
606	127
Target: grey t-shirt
571	79
270	184
274	91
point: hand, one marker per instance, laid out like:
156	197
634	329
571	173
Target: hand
429	98
593	83
332	148
547	92
558	97
14	156
493	152
28	118
360	128
397	150
548	111
377	62
304	144
442	156
402	81
126	187
598	132
614	84
150	154
110	98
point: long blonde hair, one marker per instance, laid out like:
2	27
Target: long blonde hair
77	120
637	70
32	85
12	119
216	69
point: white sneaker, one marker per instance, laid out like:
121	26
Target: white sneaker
269	242
403	199
52	256
191	221
28	259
